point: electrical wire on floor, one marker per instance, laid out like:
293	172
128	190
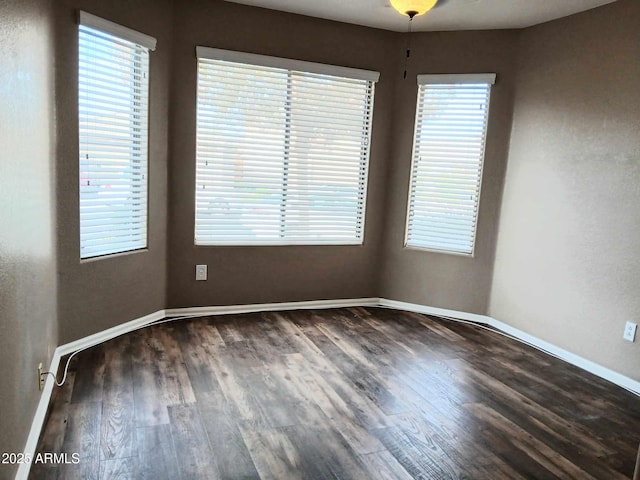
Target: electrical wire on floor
443	317
519	340
158	322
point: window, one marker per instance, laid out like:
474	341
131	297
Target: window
282	150
113	97
448	153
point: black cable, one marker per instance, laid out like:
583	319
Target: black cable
406	60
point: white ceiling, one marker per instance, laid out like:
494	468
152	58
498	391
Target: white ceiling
447	15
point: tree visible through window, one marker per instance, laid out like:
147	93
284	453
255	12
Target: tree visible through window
282	154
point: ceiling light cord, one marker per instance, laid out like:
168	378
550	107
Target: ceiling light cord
411	14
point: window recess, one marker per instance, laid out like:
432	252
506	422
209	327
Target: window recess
448	156
282	152
113	102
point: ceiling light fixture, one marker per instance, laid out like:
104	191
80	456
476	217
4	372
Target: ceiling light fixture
413	7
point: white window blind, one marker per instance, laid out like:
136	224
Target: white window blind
448	155
282	153
113	123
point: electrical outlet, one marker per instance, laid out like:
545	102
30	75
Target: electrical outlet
630	331
201	272
40	377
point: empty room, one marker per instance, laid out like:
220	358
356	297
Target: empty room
280	239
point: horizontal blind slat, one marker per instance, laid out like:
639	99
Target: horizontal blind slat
450	131
113	126
282	156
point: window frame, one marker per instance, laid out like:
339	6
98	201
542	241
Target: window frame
296	67
87	25
448	79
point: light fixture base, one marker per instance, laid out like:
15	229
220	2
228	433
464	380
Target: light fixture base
413	8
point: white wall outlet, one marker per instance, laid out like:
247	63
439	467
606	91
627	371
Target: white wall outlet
630	331
201	272
40	377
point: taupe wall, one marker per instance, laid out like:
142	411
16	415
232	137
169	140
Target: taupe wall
566	264
568	256
28	330
437	279
97	294
240	275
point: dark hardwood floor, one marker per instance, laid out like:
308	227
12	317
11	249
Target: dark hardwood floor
347	394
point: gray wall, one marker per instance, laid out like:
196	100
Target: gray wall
101	293
27	241
438	279
568	256
241	275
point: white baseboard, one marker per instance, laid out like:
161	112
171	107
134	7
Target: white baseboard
108	334
270	307
562	354
442	312
572	358
100	337
61	351
38	418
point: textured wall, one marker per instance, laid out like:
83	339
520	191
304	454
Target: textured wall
27	240
100	293
567	263
239	275
438	279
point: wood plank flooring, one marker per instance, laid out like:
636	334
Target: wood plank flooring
349	393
